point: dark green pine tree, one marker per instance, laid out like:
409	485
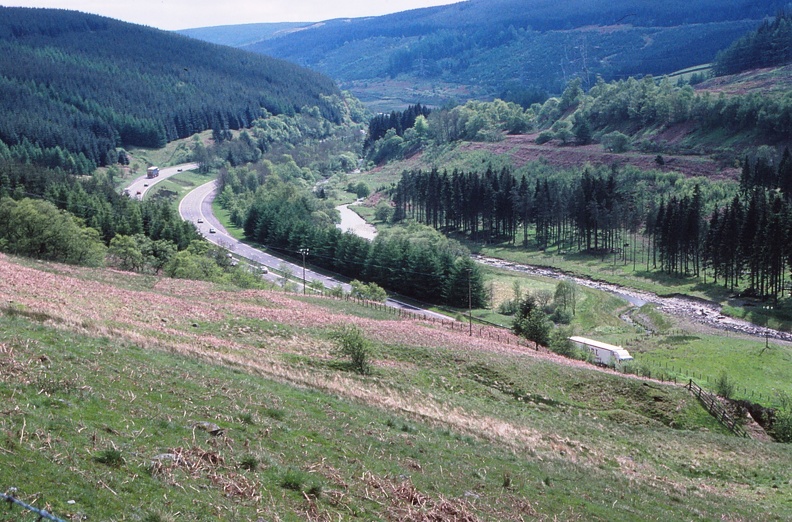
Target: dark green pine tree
785	174
746	176
465	279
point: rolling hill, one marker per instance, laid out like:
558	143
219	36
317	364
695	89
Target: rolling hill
509	48
131	396
76	86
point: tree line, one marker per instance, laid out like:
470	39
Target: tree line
740	235
415	261
89	209
399	121
769	45
589	211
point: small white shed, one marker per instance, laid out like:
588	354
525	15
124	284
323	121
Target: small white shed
604	353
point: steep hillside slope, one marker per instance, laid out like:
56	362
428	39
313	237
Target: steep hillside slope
512	48
128	396
76	86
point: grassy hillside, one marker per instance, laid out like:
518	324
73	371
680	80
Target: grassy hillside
509	48
111	380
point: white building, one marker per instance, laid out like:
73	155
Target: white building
604	353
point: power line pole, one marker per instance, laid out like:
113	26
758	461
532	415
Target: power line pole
304	252
470	305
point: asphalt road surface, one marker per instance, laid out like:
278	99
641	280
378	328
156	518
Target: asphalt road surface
138	188
196	207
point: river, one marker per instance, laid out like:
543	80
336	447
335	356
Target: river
689	308
352	222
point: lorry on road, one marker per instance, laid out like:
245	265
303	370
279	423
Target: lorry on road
152	172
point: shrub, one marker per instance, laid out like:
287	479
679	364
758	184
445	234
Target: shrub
370	291
383	212
249	462
274	414
781	429
111	457
616	142
560	343
544	137
508	307
336	291
293	479
724	386
352	345
560	316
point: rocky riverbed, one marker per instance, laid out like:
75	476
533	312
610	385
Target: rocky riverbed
689	309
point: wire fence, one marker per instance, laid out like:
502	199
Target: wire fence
474	327
10	497
677	371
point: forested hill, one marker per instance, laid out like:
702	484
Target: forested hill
75	86
767	46
514	49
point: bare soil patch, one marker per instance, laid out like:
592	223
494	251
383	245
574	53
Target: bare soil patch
523	149
768	80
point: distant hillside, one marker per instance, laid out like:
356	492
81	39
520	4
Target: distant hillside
75	86
767	46
241	35
515	49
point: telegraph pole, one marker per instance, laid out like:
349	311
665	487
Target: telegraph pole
304	252
470	305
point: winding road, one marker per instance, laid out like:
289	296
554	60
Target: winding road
139	186
197	205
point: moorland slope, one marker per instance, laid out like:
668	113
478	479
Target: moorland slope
132	396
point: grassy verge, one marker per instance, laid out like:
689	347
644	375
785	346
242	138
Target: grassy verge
176	187
224	217
173	153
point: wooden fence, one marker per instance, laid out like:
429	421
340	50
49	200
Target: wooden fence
716	409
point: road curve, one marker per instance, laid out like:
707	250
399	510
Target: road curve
197	205
139	186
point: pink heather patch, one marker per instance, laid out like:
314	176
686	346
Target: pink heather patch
167	313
